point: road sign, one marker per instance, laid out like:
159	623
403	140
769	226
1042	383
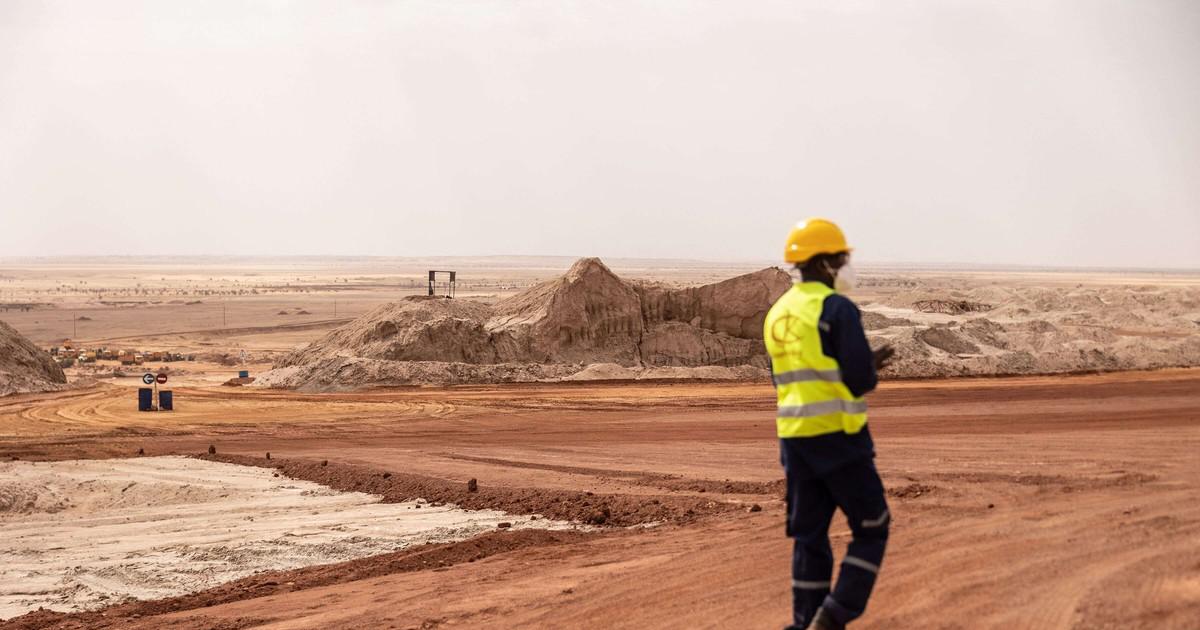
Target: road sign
148	378
162	379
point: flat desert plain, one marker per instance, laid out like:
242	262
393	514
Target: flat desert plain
1029	501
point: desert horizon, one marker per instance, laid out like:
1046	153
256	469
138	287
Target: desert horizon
555	260
624	315
386	450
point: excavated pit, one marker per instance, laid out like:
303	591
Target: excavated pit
86	534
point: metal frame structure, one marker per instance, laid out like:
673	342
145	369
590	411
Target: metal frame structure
434	284
950	307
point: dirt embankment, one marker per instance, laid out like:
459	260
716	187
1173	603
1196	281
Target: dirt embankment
1039	330
583	507
588	316
589	324
24	367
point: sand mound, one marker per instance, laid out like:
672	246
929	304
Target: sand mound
588	314
878	321
987	332
552	330
679	344
349	373
947	340
590	324
24	367
1040	330
415	329
735	306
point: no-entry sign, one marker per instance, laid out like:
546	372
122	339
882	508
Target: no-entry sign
148	378
162	379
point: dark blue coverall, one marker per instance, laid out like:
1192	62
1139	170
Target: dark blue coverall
836	470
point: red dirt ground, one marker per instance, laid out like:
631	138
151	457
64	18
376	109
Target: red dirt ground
1047	502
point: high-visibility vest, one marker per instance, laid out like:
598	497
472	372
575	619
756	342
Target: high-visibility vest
812	400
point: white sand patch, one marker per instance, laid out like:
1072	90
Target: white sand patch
85	534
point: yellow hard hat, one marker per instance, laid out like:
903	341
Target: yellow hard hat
812	237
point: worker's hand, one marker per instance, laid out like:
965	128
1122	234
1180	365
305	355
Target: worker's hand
883	356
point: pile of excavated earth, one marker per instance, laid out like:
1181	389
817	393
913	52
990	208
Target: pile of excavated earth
590	324
24	367
586	324
1039	330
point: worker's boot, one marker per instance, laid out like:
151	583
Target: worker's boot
824	621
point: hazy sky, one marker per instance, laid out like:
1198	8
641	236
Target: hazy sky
1041	131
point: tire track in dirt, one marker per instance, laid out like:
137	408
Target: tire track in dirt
1003	518
99	409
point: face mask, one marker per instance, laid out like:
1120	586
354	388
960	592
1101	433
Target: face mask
846	278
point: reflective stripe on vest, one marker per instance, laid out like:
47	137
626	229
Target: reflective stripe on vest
822	408
812	400
799	376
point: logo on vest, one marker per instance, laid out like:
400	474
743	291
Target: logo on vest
788	331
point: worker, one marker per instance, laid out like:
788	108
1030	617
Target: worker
822	365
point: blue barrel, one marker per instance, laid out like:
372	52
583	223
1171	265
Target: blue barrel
244	374
166	402
145	399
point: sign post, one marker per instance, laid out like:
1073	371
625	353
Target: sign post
166	402
145	396
151	379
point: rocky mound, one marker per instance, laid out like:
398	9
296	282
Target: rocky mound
587	316
947	340
735	306
878	321
1039	330
349	373
25	367
591	324
417	328
685	345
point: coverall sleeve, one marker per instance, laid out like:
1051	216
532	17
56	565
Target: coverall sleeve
843	339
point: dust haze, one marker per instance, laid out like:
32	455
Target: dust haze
1041	133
